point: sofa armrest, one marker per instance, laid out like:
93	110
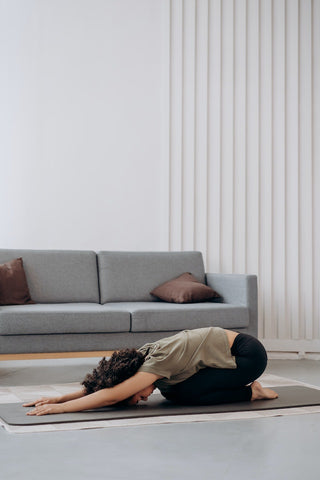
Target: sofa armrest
237	289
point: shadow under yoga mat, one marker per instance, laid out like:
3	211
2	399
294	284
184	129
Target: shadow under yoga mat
157	405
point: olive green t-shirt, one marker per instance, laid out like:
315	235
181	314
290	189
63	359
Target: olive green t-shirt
180	356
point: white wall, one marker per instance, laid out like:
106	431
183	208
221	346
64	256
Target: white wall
170	124
82	124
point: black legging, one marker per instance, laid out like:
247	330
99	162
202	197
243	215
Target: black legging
223	385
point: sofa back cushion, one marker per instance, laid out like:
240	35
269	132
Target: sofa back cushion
58	276
130	276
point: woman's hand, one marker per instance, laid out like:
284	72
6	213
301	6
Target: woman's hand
42	401
47	409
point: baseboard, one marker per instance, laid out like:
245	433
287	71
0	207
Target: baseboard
298	347
293	356
39	356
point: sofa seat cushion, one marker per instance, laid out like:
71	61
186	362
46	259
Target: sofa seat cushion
162	316
62	318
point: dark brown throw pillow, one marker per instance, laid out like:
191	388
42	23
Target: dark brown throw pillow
184	289
13	284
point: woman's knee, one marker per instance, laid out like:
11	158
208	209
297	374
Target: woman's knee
252	365
261	357
250	348
263	363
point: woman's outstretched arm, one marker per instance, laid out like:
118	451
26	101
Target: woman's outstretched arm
60	399
102	398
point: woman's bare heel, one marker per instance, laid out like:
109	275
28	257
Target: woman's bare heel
260	393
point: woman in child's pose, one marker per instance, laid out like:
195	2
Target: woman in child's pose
201	367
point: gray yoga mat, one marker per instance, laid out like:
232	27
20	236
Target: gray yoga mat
157	405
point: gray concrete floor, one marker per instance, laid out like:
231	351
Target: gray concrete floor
266	448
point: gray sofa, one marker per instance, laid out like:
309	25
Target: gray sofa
87	301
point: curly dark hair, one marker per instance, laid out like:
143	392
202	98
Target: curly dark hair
122	364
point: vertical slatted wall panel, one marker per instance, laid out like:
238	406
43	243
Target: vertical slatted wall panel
227	135
188	122
245	153
266	200
305	170
176	125
214	137
201	118
292	170
316	162
240	139
278	169
253	145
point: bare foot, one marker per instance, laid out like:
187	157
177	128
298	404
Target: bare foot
260	393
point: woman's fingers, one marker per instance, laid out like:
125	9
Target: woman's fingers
39	411
31	404
46	409
40	401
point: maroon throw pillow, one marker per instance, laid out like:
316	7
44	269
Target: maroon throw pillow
184	289
13	284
